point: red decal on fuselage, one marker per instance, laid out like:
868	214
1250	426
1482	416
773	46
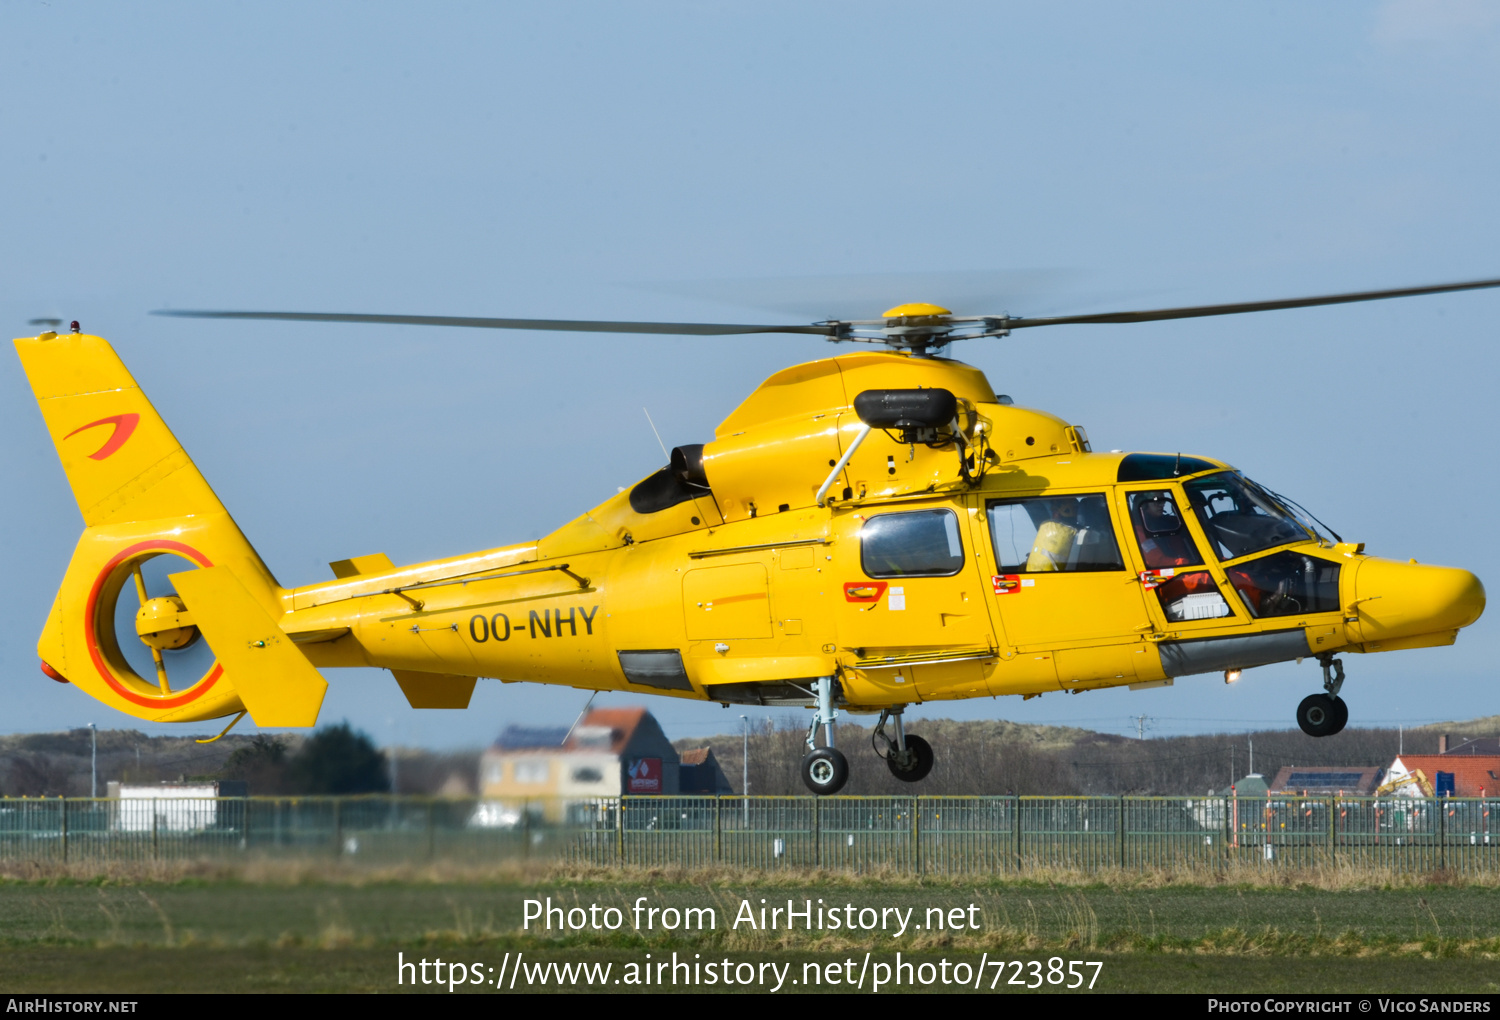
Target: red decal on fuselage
1006	584
864	591
124	425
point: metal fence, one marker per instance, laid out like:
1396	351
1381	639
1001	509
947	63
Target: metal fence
931	835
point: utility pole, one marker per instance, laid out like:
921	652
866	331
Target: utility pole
745	769
395	768
1252	754
1140	725
393	812
93	761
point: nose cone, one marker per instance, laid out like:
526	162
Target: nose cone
1399	600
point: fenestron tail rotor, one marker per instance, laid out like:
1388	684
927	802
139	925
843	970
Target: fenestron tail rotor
158	623
917	328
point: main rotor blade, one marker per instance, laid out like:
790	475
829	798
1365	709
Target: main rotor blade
830	329
1196	311
564	325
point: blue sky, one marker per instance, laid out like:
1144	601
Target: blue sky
598	160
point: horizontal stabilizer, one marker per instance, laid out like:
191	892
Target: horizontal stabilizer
435	690
274	680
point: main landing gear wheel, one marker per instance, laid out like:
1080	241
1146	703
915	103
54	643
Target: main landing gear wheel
825	771
1321	715
909	758
918	760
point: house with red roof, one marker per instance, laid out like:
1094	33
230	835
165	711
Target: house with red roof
611	751
1443	775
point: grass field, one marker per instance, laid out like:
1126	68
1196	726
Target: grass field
342	931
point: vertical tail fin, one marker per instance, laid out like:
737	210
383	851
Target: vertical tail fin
122	461
141	497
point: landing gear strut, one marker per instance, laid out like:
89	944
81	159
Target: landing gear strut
909	757
824	769
1323	715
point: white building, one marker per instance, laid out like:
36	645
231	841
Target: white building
171	807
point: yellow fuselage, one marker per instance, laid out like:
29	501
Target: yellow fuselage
745	585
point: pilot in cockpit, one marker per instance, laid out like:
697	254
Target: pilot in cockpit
1163	539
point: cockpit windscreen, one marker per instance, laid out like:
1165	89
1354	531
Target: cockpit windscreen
1239	517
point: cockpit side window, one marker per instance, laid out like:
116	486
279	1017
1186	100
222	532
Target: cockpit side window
1053	534
921	543
1238	517
1287	584
1161	530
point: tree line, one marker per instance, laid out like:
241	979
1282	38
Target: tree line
994	757
334	759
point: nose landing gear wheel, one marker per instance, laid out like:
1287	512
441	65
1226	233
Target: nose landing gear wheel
1321	715
1342	719
825	771
918	760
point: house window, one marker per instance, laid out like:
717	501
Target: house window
588	774
532	771
595	737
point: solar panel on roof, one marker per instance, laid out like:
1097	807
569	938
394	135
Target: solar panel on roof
516	738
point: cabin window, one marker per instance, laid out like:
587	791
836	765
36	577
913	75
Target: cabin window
1054	534
1238	517
1286	584
922	543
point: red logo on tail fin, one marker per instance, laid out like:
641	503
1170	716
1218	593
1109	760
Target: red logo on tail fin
124	425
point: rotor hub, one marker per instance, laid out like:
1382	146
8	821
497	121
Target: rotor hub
915	310
164	623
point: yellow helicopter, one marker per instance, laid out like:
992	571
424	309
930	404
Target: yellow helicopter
864	533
